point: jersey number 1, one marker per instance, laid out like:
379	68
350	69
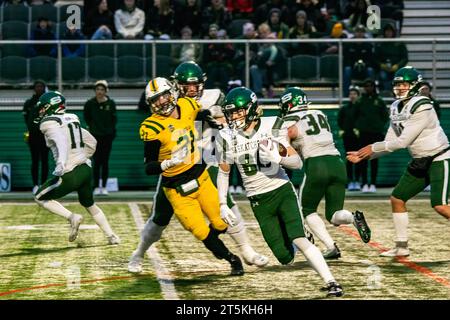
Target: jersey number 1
75	126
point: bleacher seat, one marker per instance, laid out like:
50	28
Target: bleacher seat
164	67
132	49
43	67
46	10
16	13
73	69
100	67
13	69
100	49
19	50
303	67
130	68
15	30
329	67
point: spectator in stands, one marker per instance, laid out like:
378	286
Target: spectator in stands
42	31
13	3
280	29
331	9
371	119
38	2
73	50
240	9
217	14
217	58
337	32
129	21
391	56
313	12
100	116
426	90
303	29
248	32
159	20
350	136
99	22
269	56
391	9
262	11
186	51
35	138
356	13
358	59
189	15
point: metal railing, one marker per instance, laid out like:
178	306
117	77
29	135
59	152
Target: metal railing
154	44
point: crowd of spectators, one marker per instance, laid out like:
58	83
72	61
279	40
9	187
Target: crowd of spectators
240	19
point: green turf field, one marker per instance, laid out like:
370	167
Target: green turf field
37	261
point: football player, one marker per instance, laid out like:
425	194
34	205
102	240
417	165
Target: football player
414	125
171	150
72	146
189	81
325	174
250	142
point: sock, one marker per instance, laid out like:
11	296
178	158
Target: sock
317	226
149	235
315	258
216	246
240	237
100	219
55	207
401	221
342	217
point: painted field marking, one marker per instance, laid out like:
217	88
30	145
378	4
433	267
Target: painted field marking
51	285
163	275
403	260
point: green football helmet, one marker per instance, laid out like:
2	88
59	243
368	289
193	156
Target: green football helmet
49	103
410	75
187	74
292	100
242	102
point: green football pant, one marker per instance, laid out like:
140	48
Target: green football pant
279	218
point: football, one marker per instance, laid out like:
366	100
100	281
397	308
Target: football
282	150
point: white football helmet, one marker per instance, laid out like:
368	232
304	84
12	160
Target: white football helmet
161	95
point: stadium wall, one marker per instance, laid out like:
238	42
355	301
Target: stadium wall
127	154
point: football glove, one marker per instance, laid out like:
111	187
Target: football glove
177	158
266	154
59	170
228	215
213	123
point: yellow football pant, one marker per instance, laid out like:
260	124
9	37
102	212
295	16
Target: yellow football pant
190	209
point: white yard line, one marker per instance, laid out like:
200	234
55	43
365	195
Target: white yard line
163	275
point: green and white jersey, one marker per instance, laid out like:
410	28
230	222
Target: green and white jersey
210	100
415	126
315	137
235	146
71	145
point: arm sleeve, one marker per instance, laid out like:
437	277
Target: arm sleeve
53	136
151	153
90	143
222	185
412	128
118	24
292	162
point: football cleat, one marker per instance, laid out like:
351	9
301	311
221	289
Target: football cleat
334	289
257	259
135	264
75	221
395	252
113	239
236	266
334	253
362	226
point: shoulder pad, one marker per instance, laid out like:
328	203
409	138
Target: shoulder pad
150	129
189	103
422	103
50	122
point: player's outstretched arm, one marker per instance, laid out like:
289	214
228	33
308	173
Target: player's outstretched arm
226	213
